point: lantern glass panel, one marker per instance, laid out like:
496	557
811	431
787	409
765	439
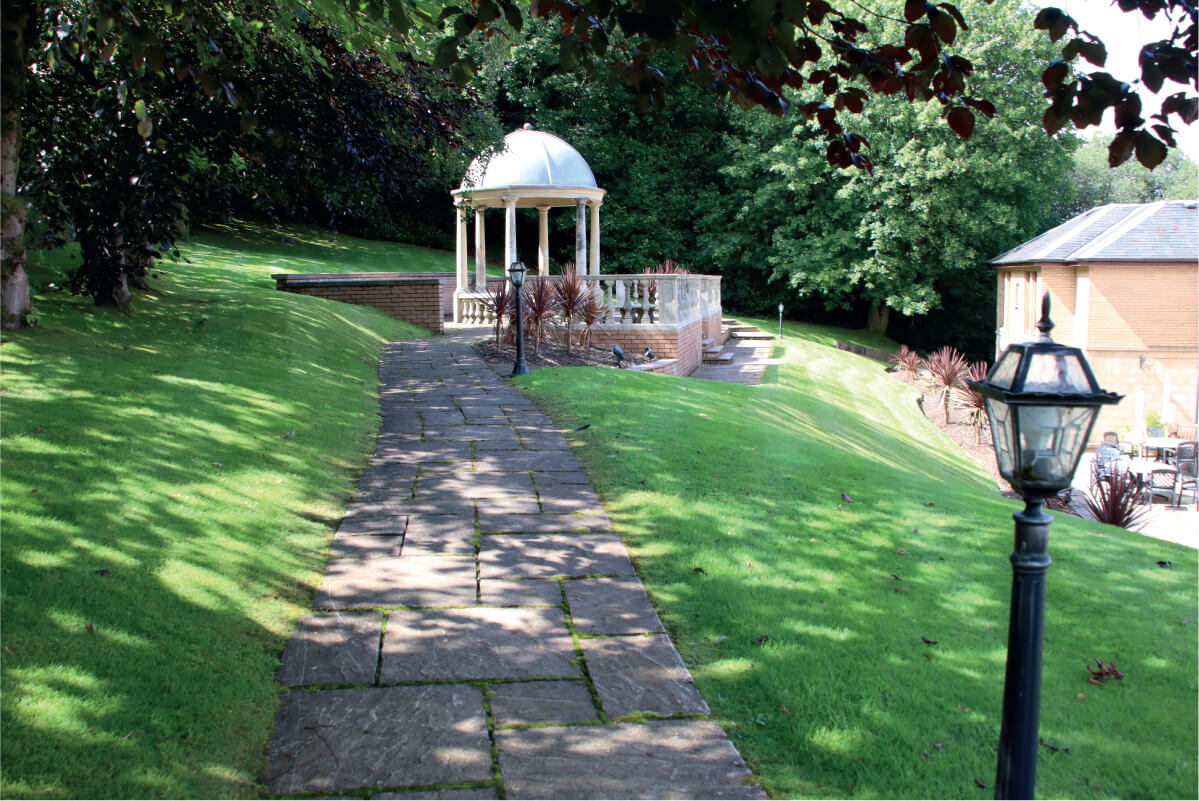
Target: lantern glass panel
1052	439
1057	372
1003	374
1000	415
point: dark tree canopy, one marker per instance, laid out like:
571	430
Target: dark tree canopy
754	50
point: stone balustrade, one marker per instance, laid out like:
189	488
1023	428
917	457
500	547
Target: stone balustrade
631	300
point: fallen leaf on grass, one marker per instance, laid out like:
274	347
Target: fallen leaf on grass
1164	564
980	783
846	498
902	551
927	641
101	572
938	745
1063	748
930	503
90	627
761	639
897	578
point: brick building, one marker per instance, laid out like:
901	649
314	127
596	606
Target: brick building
1124	284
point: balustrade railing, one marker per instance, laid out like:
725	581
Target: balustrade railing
631	300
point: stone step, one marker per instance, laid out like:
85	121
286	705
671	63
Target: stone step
755	334
718	358
742	327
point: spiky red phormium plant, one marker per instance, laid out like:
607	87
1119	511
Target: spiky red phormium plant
569	291
502	301
540	306
973	402
1114	500
945	369
906	360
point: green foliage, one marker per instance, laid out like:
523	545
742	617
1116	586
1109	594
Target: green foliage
1097	184
659	165
171	480
730	500
921	229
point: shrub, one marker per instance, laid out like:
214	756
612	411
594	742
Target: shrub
503	301
569	292
946	368
906	360
1114	500
540	306
973	402
593	311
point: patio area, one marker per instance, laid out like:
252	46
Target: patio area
1163	521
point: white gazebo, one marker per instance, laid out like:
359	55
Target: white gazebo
534	169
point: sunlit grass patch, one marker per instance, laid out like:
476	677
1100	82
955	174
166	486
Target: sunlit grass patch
171	479
856	648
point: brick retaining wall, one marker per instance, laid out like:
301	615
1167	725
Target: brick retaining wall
416	300
682	346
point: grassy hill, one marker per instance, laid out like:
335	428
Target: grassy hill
171	479
857	649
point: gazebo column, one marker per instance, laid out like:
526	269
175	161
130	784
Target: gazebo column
509	231
595	237
480	251
543	240
460	249
581	236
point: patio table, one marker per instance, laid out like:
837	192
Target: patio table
1141	468
1161	445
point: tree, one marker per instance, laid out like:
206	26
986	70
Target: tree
1095	183
926	224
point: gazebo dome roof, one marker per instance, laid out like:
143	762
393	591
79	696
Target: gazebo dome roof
530	158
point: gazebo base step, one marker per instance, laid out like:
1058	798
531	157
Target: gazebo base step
754	334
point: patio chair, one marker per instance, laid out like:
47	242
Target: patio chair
1153	433
1104	466
1162	482
1112	439
1188	470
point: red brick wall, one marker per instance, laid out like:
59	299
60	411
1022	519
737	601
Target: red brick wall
417	300
684	345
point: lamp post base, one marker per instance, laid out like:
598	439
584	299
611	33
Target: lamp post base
1016	775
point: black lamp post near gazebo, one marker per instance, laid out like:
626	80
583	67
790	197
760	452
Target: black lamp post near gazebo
516	274
1042	400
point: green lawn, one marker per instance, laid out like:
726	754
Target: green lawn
730	499
163	527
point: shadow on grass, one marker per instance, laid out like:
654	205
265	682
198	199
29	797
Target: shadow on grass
161	533
731	501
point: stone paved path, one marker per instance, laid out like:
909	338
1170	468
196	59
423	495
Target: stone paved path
481	631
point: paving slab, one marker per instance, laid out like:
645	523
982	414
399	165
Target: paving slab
390	507
465	433
392	736
552	503
548	555
462	794
545	442
355	526
368	583
389	448
542	702
494	523
526	592
337	648
521	505
474	485
554	479
527	460
442	418
641	674
365	546
479	643
659	759
611	606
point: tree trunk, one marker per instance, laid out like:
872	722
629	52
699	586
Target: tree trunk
878	317
19	19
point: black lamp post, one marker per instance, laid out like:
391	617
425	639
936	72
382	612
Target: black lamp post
516	274
1042	400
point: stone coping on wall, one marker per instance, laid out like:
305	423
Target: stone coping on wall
355	279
